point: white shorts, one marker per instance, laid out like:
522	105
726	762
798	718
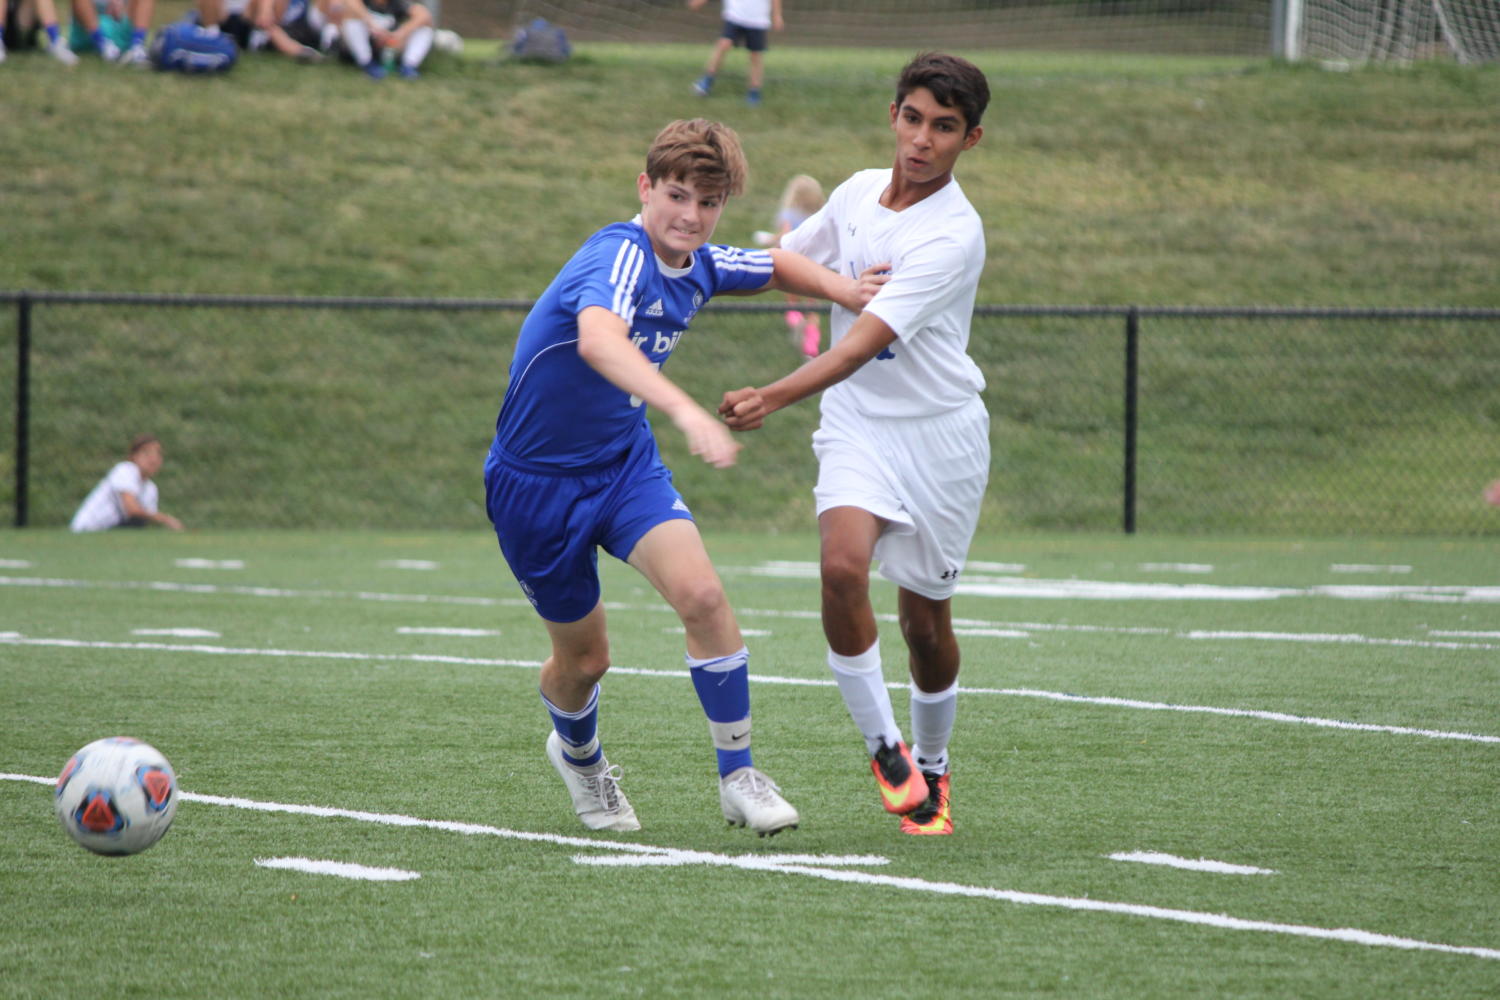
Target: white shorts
924	476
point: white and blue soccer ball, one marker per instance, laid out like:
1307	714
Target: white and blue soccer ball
117	796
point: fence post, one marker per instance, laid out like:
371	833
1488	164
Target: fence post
23	404
1132	358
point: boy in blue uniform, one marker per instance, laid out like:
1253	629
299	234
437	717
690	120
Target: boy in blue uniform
574	465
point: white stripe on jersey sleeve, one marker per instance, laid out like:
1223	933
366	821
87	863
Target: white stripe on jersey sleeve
623	276
746	261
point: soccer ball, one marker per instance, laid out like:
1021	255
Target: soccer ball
116	796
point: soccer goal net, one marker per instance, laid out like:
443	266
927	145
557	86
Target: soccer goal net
1363	31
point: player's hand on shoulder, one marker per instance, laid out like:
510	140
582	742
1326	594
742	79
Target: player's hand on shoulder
743	409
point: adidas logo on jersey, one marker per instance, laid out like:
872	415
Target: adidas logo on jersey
655	309
679	505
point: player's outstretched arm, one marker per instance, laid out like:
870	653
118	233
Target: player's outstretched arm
746	409
798	275
604	344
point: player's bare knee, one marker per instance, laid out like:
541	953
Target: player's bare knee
699	601
844	578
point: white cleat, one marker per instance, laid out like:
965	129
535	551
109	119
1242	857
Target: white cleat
595	790
59	50
135	56
749	798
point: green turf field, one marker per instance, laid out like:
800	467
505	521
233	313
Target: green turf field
1323	713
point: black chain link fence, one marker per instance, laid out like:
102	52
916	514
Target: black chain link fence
355	414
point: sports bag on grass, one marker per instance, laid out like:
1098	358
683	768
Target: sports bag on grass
187	47
542	41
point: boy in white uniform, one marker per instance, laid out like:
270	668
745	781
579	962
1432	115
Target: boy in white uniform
126	496
903	445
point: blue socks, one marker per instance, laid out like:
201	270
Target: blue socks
579	730
723	686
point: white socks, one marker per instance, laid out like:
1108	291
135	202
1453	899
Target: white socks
356	35
418	44
862	683
932	715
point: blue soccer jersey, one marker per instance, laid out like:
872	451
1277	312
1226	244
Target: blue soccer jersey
560	414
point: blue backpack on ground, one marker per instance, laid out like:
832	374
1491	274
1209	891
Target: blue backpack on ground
542	41
187	47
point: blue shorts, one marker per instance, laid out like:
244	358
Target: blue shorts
551	525
754	39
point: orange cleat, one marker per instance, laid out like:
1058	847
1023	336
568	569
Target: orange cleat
901	786
932	818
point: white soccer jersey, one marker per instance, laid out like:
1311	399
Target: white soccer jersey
102	509
748	13
935	250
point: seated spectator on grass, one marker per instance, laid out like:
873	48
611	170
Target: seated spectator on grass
116	29
275	25
404	28
126	497
368	30
19	21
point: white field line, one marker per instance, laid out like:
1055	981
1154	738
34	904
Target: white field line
342	869
996	586
972	626
471	633
179	633
15	639
1189	864
752	862
210	563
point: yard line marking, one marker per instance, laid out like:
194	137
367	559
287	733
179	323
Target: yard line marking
1330	637
769	863
210	563
623	606
416	564
465	632
1104	590
669	860
994	567
16	639
342	869
1176	568
181	633
992	633
14	564
1366	568
999	586
1200	865
1247	713
1464	635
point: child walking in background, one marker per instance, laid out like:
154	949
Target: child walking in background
746	22
802	197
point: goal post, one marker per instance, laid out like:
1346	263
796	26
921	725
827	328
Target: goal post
1356	32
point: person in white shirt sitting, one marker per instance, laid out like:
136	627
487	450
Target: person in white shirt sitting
126	497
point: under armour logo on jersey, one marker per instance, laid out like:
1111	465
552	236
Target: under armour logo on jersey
679	505
655	309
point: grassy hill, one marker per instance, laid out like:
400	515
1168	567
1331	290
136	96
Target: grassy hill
1102	179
